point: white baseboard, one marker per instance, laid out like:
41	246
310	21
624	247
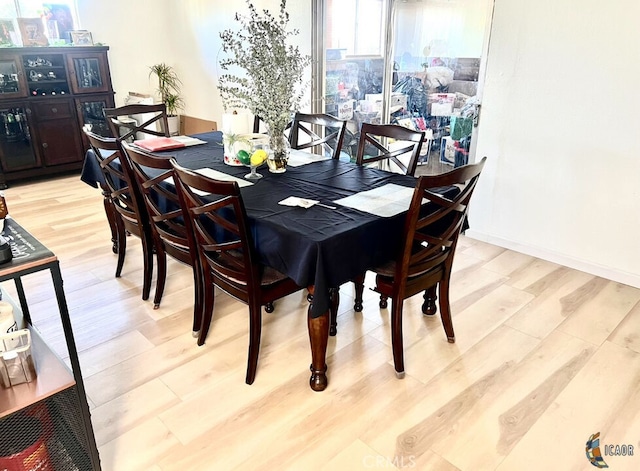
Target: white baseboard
609	273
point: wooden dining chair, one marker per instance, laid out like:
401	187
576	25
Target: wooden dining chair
123	205
320	131
260	127
425	258
226	251
153	175
385	143
154	121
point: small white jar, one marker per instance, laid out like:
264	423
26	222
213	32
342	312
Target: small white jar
7	322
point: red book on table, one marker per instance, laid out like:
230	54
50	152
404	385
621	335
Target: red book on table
155	144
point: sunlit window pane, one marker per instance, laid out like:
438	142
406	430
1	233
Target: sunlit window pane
355	26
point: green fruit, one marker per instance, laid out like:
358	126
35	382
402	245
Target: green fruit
244	157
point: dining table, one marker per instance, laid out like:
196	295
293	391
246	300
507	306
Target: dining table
345	219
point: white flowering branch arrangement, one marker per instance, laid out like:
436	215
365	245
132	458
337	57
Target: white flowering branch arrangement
271	87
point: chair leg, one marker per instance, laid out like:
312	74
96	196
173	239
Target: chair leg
161	280
358	281
445	309
207	311
429	306
198	302
121	246
112	216
396	336
334	297
147	254
255	331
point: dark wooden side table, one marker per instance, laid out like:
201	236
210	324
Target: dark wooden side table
56	396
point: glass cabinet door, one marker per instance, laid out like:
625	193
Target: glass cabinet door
90	114
88	73
12	81
16	151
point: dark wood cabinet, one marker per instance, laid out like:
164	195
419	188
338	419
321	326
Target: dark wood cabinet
47	95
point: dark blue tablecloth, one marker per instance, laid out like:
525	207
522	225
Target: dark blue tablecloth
315	246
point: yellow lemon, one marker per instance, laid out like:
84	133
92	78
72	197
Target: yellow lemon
258	157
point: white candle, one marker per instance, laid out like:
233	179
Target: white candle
235	123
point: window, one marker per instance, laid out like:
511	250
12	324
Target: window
62	14
355	26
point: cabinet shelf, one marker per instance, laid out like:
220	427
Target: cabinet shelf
45	82
40	67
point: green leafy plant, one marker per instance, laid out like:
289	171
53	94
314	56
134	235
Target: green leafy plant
168	87
271	86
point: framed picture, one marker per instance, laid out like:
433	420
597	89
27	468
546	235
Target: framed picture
7	33
81	38
32	32
61	14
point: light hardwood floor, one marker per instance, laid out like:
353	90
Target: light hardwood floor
545	356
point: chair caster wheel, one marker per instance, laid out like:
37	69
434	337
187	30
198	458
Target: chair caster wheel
309	297
269	308
383	304
333	331
357	307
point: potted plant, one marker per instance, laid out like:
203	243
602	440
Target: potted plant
271	83
169	91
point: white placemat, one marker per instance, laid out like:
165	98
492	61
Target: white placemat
216	175
188	141
385	201
298	158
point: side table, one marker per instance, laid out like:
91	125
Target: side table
56	396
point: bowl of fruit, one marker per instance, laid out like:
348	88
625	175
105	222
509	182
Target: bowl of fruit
255	159
236	143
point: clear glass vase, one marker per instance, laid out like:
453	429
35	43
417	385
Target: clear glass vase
278	153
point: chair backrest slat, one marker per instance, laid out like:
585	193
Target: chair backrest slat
320	131
219	225
153	116
123	194
432	229
372	148
151	173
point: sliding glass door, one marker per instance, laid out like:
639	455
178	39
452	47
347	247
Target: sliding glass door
416	63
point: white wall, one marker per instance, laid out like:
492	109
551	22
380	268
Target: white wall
138	33
559	120
182	33
559	123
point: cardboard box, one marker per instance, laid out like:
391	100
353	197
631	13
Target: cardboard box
441	104
447	150
190	125
398	101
